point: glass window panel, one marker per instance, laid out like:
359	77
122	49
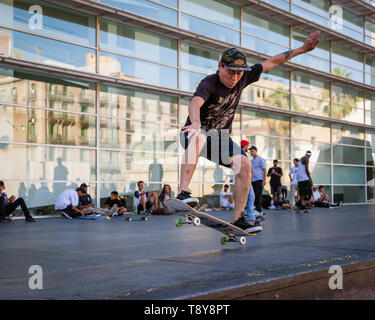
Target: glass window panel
320	173
184	111
270	148
311	130
265	124
147	9
138	43
42	126
190	80
370	79
138	135
348	113
321	152
128	103
311	61
313	10
47	163
348	155
199	59
137	70
370	157
40	197
349	194
370	139
215	10
36	49
171	3
257	24
370	176
13	87
352	23
260	45
348	175
370	64
347	57
370	102
344	103
57	22
371	194
370	31
348	135
135	166
282	4
347	72
209	29
321	51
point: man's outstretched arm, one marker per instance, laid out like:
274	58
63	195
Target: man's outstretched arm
310	44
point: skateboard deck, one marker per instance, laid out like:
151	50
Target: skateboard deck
91	217
132	216
192	216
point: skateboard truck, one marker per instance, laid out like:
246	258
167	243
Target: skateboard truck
189	219
233	238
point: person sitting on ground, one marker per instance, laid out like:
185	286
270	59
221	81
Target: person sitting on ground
85	201
9	205
67	203
284	203
321	199
144	200
114	204
226	198
163	197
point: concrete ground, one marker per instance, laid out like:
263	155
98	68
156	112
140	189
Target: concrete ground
115	259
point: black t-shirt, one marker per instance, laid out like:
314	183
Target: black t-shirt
275	180
221	102
111	202
84	200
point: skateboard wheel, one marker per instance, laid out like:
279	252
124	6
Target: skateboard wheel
224	241
196	221
179	222
242	240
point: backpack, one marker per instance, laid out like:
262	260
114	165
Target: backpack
266	201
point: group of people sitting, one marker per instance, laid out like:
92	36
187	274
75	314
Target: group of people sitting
76	203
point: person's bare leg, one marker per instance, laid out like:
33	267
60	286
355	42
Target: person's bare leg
189	162
143	202
155	200
241	166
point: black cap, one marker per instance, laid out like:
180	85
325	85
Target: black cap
84	185
81	189
234	59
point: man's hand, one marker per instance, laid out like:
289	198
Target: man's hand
311	42
192	128
263	183
12	198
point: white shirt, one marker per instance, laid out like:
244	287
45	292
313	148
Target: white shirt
317	195
67	198
293	173
137	198
223	197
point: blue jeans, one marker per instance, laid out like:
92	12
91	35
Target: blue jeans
249	204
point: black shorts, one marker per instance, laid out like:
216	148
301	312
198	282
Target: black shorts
305	189
218	148
276	189
149	205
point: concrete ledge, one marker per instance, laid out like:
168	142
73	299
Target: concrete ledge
358	283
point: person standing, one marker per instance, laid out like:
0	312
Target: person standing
305	183
258	180
275	173
293	183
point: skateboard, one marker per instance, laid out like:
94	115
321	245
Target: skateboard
133	216
192	216
91	217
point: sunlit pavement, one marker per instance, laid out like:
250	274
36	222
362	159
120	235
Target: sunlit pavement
116	259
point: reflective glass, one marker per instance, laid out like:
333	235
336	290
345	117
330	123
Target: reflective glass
370	139
349	194
348	113
47	163
352	23
348	175
282	4
347	72
313	10
209	29
42	126
348	155
138	105
347	57
36	49
137	70
265	124
138	43
312	62
370	157
345	102
371	194
49	20
348	135
215	10
199	59
190	80
311	130
270	148
260	45
370	102
259	25
135	166
147	9
321	152
320	173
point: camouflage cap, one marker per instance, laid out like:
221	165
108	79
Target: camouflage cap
234	59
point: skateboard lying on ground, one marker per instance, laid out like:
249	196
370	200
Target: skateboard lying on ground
192	216
134	216
91	217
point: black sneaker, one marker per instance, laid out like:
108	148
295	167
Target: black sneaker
29	219
185	196
249	226
260	218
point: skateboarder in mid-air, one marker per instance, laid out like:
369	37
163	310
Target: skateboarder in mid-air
211	112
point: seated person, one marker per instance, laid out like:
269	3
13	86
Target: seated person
67	203
163	197
85	201
226	198
284	203
144	200
9	205
321	199
115	204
